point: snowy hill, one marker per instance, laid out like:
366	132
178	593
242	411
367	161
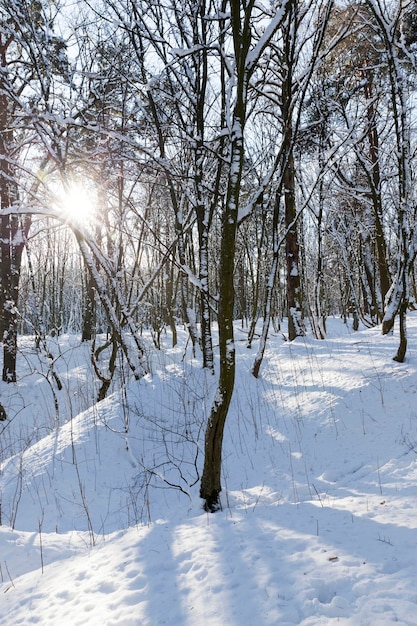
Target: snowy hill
101	519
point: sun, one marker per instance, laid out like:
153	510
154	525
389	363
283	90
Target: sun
77	204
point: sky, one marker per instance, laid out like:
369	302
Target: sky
102	523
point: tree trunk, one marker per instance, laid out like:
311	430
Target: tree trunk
13	233
202	209
11	247
269	290
210	486
206	337
398	296
210	481
288	92
373	140
319	317
402	348
89	313
170	303
256	277
295	320
12	238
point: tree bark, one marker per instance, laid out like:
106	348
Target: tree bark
402	348
288	94
89	313
269	290
294	308
210	486
11	248
373	140
12	235
246	60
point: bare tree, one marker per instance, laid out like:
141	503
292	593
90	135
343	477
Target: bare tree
288	84
247	52
30	56
389	20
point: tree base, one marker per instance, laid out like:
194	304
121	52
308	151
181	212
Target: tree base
9	376
212	503
402	350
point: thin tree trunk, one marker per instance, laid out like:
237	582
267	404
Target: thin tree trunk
320	320
246	62
294	308
203	211
170	302
373	139
294	311
269	290
89	313
210	481
256	279
398	296
11	248
402	348
210	486
13	231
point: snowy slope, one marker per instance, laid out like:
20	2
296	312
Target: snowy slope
102	523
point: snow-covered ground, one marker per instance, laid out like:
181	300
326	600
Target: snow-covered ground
101	518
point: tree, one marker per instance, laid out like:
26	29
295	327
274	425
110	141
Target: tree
180	36
30	55
388	20
246	54
364	73
286	88
346	120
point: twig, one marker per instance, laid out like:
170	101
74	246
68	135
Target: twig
318	495
384	539
40	541
8	573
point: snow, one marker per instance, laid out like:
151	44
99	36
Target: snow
269	30
103	525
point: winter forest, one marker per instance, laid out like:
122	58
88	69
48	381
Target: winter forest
214	179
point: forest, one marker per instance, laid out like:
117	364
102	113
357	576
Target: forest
208	312
186	164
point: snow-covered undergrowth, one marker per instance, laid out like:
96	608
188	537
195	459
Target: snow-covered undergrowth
101	519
